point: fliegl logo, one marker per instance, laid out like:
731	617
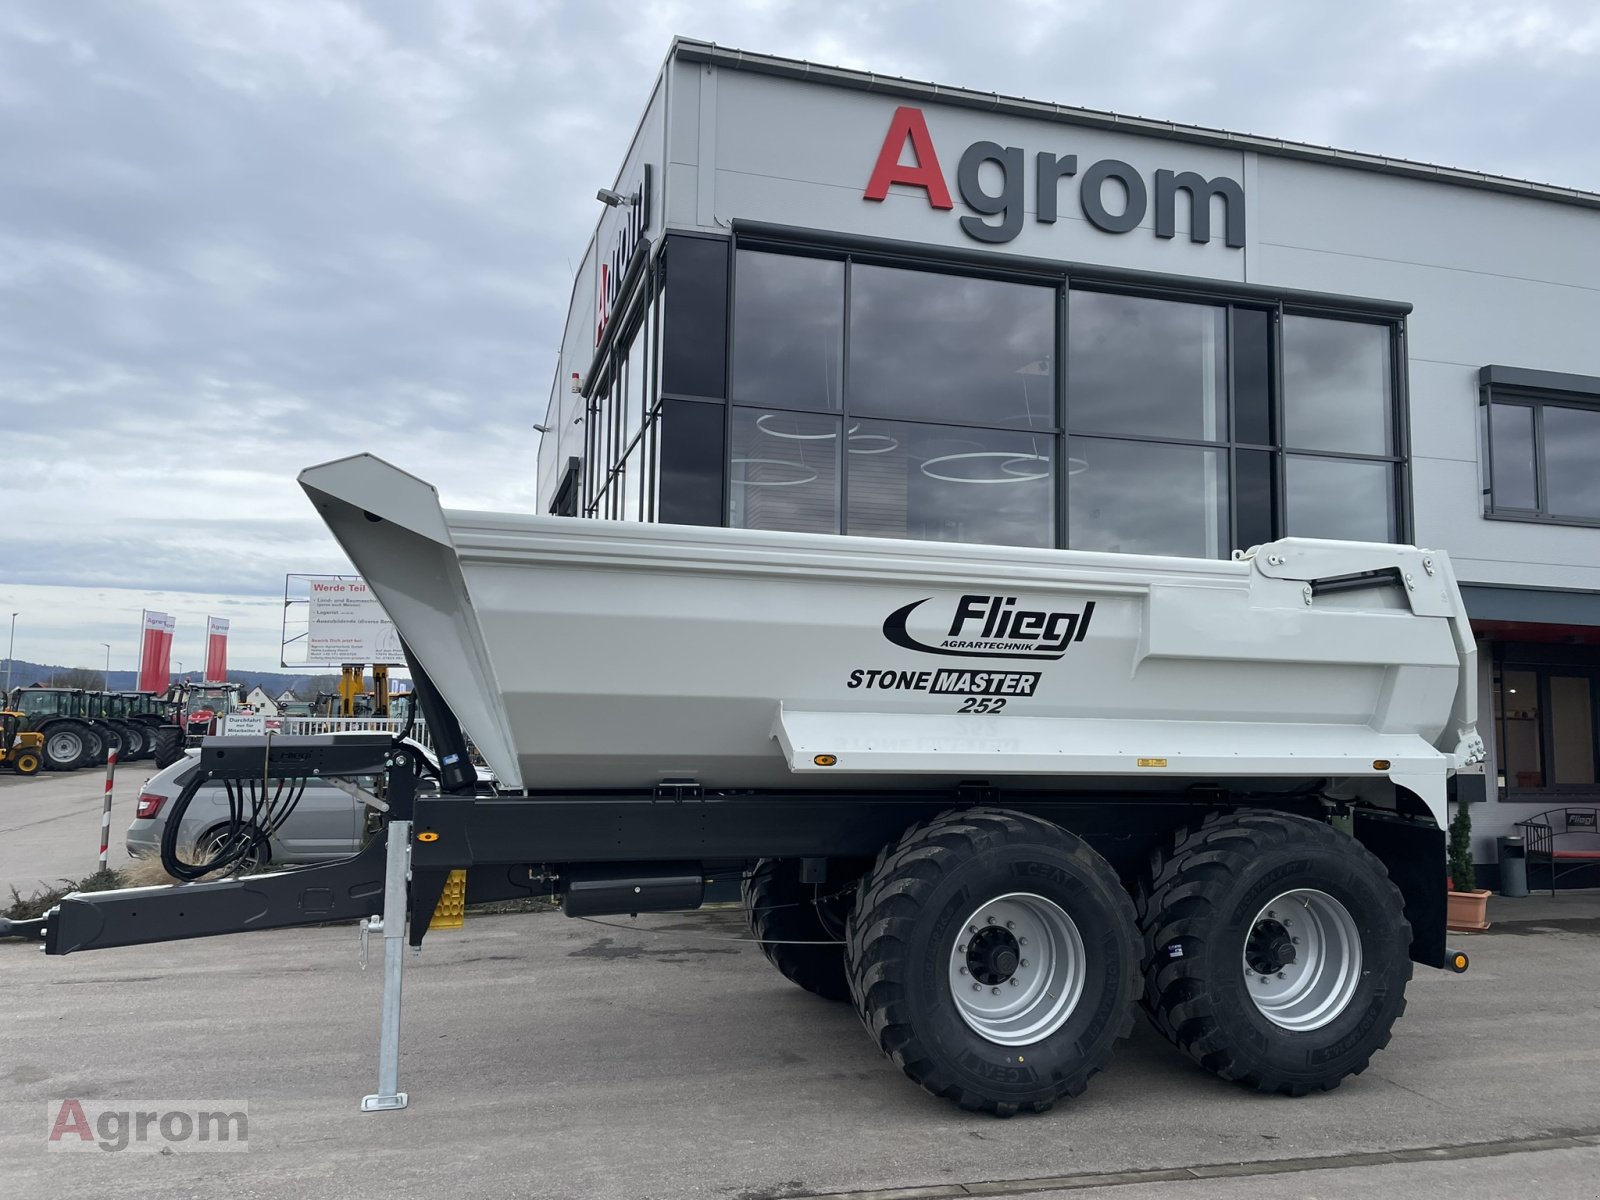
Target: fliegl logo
995	627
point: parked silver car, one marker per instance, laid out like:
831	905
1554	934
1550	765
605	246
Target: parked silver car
326	823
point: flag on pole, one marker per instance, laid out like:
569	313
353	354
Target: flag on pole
155	652
216	650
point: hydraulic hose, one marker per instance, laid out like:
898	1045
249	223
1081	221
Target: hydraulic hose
245	832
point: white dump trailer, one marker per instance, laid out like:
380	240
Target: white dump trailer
996	798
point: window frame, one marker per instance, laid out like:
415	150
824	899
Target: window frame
1544	661
1537	391
1064	276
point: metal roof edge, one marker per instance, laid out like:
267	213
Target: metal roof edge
692	50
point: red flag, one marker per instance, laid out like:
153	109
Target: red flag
216	650
155	653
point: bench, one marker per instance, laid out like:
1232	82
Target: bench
1563	839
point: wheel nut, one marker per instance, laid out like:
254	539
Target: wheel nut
1280	975
1248	972
996	991
1013	981
1022	941
1011	924
1024	962
1295	941
977	987
961	949
990	920
963	970
972	929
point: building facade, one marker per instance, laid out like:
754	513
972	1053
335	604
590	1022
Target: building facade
824	300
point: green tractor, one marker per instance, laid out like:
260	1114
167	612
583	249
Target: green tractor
61	716
131	739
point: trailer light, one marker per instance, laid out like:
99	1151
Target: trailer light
149	805
429	836
825	760
1381	764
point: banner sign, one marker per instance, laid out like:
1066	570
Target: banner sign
155	652
346	624
216	650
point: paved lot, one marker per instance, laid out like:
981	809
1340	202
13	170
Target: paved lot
557	1058
50	823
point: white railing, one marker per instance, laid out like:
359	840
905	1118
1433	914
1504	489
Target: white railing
301	726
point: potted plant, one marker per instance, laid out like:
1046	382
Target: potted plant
1468	906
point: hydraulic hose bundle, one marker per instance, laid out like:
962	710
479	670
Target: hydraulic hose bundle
256	811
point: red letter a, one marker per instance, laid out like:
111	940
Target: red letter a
924	173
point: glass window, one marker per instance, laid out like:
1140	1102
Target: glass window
1572	461
691	462
788	331
1339	498
1151	367
784	472
948	348
1147	498
1514	469
1520	752
1252	377
633	387
1336	384
1252	492
695	342
1571	731
940	483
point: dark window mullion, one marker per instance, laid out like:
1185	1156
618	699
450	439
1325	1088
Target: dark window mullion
1280	481
842	470
1541	494
1059	437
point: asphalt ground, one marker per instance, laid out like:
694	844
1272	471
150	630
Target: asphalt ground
50	823
554	1058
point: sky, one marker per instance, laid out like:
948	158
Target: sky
239	237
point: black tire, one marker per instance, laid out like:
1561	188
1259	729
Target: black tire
133	743
1208	904
116	740
782	911
66	746
911	926
168	745
94	741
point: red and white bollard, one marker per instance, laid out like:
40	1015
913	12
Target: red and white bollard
105	813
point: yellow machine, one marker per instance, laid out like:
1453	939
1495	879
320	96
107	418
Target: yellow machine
352	699
22	752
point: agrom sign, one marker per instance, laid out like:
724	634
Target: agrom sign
998	212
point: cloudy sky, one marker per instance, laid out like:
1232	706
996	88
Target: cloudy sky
241	236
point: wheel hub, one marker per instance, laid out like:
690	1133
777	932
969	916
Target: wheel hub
1270	948
992	955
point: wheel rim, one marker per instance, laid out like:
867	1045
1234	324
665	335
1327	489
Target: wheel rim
219	841
1017	969
1302	960
65	747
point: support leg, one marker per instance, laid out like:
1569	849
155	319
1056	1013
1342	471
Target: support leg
398	865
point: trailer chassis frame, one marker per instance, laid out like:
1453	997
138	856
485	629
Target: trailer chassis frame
516	845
